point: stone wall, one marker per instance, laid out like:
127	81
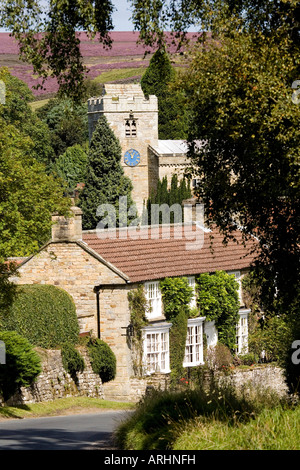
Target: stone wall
260	377
264	376
55	382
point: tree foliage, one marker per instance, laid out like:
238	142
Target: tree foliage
178	191
48	39
22	364
152	18
157	80
105	181
71	166
28	196
240	96
16	111
67	124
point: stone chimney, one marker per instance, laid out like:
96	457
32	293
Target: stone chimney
67	228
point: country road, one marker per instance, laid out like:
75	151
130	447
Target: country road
73	432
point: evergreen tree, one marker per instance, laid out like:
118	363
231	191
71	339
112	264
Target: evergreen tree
105	181
156	81
178	192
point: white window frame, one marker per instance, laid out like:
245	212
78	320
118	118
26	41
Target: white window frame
156	350
153	296
242	332
194	342
192	283
238	278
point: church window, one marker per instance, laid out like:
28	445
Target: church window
130	127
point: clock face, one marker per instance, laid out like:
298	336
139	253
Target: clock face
132	157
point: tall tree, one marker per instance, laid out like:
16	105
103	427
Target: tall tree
16	111
105	181
240	96
164	196
71	166
157	80
28	196
67	124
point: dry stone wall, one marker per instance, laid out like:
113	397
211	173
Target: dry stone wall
260	377
54	382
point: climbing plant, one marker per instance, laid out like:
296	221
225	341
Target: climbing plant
218	301
176	296
138	308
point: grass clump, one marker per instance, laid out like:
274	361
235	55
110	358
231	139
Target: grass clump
219	418
272	429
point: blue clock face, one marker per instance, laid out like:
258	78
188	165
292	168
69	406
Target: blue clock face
132	157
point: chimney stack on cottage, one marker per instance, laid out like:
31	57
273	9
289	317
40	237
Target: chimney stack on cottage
193	211
67	228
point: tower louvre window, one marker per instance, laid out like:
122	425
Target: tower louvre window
130	126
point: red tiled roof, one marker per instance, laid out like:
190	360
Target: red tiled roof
180	251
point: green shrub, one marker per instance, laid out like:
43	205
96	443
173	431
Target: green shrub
22	364
103	360
73	362
44	314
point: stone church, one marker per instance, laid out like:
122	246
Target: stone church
134	120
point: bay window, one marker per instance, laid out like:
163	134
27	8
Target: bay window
194	342
156	348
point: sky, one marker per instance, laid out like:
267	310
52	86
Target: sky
121	17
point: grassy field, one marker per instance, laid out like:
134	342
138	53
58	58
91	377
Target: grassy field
61	406
217	420
119	74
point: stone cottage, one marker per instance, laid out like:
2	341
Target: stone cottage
99	268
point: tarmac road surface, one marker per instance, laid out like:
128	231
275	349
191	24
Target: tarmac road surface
73	432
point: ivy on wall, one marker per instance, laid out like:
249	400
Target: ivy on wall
219	302
138	307
176	296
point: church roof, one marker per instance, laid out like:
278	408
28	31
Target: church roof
173	147
170	147
168	251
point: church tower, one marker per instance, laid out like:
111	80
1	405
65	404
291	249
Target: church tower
134	120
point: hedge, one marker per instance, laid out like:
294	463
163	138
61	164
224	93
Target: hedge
44	314
22	364
103	360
